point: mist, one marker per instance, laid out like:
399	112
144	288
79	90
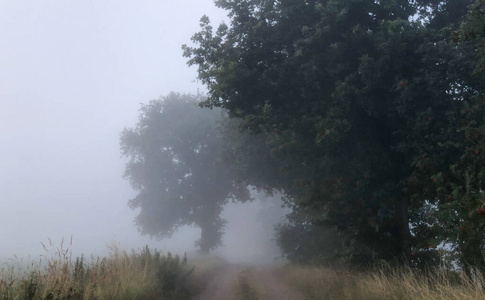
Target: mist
250	236
72	76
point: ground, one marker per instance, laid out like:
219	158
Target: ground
226	281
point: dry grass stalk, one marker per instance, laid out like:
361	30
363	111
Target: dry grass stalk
383	283
122	275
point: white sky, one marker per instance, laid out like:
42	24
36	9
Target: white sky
72	75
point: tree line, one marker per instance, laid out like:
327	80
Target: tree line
369	116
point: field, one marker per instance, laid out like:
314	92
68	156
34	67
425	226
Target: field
148	274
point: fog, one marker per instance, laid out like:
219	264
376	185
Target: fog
72	76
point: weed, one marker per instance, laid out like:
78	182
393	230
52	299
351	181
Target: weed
383	283
144	275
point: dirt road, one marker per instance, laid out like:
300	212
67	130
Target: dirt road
223	284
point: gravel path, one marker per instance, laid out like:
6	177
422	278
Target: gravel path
272	288
221	285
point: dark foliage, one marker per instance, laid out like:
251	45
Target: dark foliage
357	106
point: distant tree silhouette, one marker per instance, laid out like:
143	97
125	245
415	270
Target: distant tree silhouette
177	167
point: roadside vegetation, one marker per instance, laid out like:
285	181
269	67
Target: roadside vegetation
148	274
389	283
145	274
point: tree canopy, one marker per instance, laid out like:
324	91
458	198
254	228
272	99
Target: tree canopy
362	109
177	168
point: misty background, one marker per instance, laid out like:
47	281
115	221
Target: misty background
72	76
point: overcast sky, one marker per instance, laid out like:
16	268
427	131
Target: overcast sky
72	76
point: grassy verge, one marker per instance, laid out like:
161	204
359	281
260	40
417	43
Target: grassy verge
384	283
143	275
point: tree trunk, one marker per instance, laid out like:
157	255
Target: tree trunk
204	242
402	232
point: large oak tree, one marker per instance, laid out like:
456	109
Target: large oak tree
177	168
353	98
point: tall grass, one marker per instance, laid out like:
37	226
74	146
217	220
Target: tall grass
143	275
383	283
